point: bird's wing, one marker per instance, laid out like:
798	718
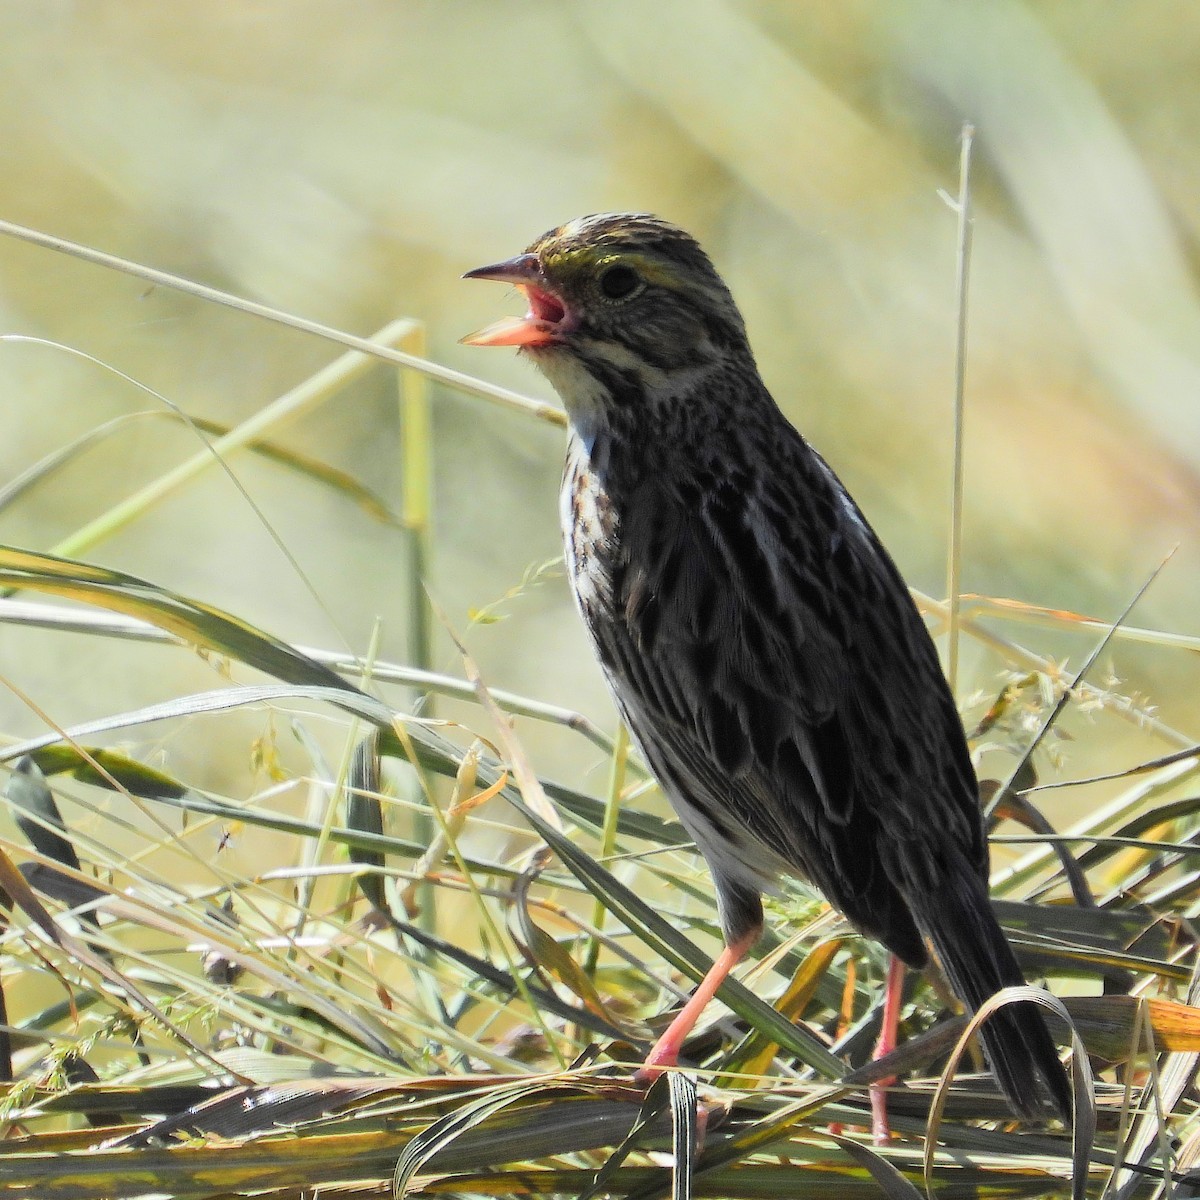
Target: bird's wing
771	637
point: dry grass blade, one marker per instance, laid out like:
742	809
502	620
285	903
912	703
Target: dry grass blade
1063	700
531	786
892	1183
754	1058
1142	768
118	625
1056	618
322	473
1082	1088
1109	1025
1169	1078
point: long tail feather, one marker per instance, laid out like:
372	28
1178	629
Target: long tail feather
978	961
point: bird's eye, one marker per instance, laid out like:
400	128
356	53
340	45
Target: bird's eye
618	282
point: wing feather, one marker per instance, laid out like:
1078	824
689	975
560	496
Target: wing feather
775	665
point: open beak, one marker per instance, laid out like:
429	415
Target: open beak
547	319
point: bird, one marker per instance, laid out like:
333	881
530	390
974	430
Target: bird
759	642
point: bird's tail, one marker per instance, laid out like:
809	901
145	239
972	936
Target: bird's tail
978	961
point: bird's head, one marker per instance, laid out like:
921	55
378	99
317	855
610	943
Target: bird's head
627	297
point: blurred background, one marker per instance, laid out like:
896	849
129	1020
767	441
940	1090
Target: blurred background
348	161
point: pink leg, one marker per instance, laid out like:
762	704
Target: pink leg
666	1049
893	991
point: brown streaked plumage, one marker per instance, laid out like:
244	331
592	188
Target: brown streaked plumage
758	639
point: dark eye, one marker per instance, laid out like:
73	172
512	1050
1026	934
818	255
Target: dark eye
618	282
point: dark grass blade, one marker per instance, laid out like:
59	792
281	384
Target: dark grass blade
1015	806
684	1130
441	1134
107	768
364	814
37	814
1101	927
1163	814
649	1117
193	621
150	784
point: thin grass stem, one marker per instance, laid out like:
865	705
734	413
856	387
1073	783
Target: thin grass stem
458	380
608	835
416	476
962	275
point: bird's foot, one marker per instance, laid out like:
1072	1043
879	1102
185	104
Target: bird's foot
881	1132
663	1057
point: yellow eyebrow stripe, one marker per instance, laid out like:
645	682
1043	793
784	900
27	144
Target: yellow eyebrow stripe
573	262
